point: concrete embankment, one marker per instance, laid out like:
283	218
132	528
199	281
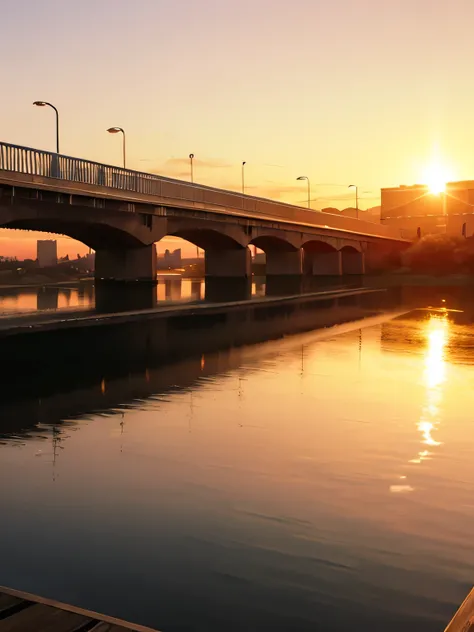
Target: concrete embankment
87	342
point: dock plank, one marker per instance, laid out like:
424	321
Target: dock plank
463	620
8	601
41	618
73	619
109	627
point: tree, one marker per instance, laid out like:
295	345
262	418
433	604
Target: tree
436	254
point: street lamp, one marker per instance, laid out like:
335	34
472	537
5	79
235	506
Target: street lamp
309	188
243	176
117	130
191	158
354	186
42	104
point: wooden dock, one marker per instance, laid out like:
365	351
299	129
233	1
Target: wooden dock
463	620
22	612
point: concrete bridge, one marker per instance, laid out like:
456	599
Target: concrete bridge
121	214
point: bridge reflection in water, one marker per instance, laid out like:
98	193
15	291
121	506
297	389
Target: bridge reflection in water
170	288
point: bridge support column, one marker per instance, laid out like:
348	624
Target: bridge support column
228	263
284	263
131	264
353	262
324	263
121	297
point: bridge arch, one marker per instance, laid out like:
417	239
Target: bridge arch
282	257
225	255
352	260
273	243
123	242
351	245
97	236
207	239
321	258
98	230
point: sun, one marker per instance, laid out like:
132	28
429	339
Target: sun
436	176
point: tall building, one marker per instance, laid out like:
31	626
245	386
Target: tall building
47	252
417	212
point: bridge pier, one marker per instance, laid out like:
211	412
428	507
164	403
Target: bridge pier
131	264
122	297
234	262
284	263
353	262
284	285
218	290
323	263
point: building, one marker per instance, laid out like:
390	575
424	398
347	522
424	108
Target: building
172	260
417	212
47	253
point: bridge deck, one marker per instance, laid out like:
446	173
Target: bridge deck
23	612
32	168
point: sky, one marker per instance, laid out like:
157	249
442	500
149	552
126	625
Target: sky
366	92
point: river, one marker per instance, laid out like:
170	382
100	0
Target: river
83	294
321	482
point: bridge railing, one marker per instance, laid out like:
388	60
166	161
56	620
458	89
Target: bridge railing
46	164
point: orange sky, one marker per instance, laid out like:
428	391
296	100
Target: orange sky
21	244
346	91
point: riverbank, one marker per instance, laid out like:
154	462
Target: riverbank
85	343
77	319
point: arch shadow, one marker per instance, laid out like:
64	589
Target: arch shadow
270	243
207	239
95	236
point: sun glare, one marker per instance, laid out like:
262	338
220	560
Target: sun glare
435	178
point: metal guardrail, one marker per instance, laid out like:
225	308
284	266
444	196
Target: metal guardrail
49	165
35	162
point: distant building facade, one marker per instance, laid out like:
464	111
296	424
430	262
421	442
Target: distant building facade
172	259
47	252
417	212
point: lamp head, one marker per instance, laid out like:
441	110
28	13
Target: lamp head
40	104
191	156
302	178
114	130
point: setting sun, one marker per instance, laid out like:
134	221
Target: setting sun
435	177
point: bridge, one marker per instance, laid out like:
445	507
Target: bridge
121	214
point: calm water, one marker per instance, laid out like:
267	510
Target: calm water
324	482
83	295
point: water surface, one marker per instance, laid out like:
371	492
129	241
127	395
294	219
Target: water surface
323	482
83	295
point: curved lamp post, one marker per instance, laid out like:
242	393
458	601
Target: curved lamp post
117	130
243	176
309	188
42	104
191	158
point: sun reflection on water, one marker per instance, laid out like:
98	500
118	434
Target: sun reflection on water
437	334
434	375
